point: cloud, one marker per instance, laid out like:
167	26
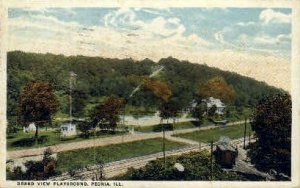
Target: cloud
271	16
219	37
272	69
160	12
123	35
266	39
244	24
210	9
125	19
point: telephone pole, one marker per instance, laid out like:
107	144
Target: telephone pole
72	75
211	160
245	133
164	147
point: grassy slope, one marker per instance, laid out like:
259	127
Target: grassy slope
178	126
235	131
84	157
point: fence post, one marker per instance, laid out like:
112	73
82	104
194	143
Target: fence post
211	160
245	133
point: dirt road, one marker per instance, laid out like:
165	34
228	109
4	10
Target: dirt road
106	141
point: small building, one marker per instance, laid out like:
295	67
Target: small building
68	129
225	153
210	102
31	128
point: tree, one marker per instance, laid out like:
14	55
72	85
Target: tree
199	111
212	110
107	115
159	88
272	125
218	88
168	110
85	128
79	98
37	104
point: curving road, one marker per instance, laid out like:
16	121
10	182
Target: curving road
108	141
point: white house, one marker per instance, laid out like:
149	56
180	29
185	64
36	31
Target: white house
217	102
68	129
31	128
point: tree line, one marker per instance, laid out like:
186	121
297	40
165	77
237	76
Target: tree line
102	77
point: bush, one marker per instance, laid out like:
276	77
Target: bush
196	167
35	170
85	128
159	128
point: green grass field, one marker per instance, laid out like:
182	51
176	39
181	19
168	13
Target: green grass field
178	126
234	131
21	140
80	158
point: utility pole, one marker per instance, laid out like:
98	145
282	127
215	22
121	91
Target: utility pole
164	146
211	160
70	98
72	75
249	137
245	133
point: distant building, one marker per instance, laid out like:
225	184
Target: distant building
225	153
68	129
31	128
215	102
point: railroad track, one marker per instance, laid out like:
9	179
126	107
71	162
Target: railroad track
119	167
116	168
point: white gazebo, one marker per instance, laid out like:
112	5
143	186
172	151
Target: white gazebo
31	128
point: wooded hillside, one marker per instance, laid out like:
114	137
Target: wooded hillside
99	77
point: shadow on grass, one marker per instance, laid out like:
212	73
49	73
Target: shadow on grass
196	123
96	134
105	132
68	138
27	142
10	136
159	128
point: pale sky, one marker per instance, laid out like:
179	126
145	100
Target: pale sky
255	42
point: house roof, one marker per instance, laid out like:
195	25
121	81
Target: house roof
67	125
213	101
224	144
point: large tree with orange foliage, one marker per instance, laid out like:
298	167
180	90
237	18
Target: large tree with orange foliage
37	103
159	88
218	88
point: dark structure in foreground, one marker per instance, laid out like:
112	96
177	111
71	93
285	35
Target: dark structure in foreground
225	153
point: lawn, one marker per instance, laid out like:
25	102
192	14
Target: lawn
233	132
85	157
21	140
178	126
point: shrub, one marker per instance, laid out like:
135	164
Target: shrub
159	128
196	167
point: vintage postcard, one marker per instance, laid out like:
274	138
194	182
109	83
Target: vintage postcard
150	93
